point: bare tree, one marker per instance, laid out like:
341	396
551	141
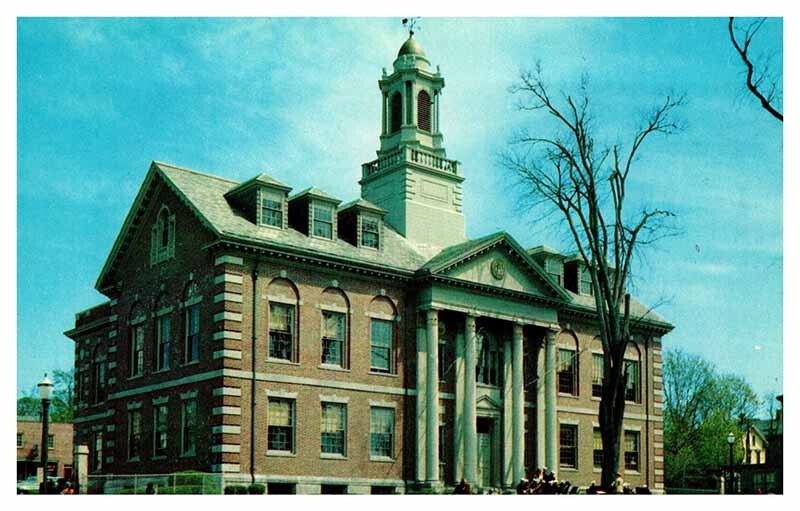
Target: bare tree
760	83
585	184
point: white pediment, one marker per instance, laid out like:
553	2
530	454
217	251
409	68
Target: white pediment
496	268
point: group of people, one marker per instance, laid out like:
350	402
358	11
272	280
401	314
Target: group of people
544	482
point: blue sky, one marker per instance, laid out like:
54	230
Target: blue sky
98	99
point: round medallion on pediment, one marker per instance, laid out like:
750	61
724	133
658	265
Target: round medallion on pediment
498	268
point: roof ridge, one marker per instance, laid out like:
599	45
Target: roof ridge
192	171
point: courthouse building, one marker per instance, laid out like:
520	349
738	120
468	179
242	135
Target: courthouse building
323	346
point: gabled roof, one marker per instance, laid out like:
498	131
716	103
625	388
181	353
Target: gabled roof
204	195
316	193
261	179
455	254
363	204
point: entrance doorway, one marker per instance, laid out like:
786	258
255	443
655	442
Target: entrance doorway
486	457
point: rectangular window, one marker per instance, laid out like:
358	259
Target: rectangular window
381	343
160	430
381	432
490	362
632	450
597	375
19	440
188	426
280	431
51	441
192	333
333	335
370	232
568	449
281	331
632	380
137	350
597	450
271	212
586	282
134	433
96	459
566	372
334	428
163	336
555	269
442	452
443	360
281	489
323	221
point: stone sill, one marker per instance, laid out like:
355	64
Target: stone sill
282	361
329	367
382	459
281	454
331	456
390	375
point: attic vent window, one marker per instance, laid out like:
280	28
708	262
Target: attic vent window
271	212
323	221
162	237
370	233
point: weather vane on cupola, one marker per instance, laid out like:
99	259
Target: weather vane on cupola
411	24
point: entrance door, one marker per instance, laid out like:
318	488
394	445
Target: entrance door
485	461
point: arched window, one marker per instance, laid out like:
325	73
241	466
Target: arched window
191	327
598	367
163	334
632	373
383	315
98	375
162	237
396	112
283	339
424	111
335	332
136	320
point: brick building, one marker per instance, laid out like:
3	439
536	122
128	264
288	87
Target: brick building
29	439
323	347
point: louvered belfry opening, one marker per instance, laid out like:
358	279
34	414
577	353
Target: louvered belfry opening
397	112
424	111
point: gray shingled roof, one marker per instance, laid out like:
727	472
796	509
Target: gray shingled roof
206	193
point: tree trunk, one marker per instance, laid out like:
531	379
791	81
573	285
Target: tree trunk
612	409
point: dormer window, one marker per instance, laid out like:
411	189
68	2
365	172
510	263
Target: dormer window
262	199
370	232
271	211
162	237
585	282
323	221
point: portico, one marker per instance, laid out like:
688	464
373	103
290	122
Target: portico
490	324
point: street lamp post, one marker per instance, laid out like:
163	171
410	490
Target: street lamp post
45	393
731	440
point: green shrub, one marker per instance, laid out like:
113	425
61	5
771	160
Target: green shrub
236	489
256	489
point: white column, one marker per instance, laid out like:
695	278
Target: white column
540	399
421	400
384	120
551	425
432	393
438	95
508	410
458	424
518	398
470	413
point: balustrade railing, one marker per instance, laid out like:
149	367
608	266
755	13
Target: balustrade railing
408	154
